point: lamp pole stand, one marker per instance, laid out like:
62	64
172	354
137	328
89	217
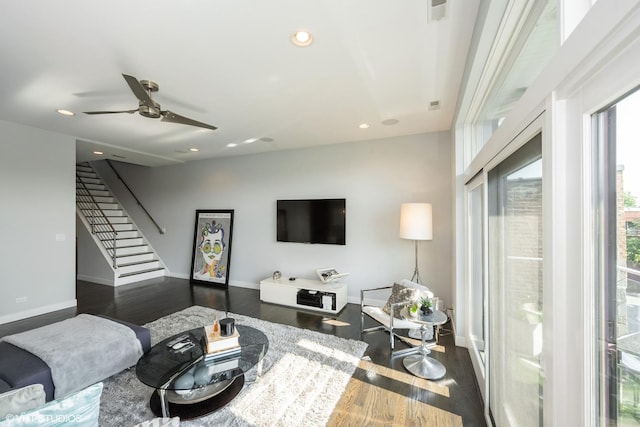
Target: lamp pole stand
416	273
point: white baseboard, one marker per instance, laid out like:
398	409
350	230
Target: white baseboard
461	341
354	300
38	311
247	285
238	284
98	280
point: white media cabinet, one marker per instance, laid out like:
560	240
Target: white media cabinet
303	293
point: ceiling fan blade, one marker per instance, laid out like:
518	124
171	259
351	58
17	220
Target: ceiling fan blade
139	90
112	112
168	116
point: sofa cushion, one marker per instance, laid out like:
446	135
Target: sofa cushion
80	409
19	368
143	334
423	290
399	294
405	291
15	402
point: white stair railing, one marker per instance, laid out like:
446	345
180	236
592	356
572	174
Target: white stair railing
98	220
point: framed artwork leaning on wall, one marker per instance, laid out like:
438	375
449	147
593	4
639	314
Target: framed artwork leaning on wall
211	252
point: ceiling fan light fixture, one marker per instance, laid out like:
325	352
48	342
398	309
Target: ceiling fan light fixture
147	107
151	111
65	112
302	38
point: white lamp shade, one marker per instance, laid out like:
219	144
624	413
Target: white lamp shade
416	221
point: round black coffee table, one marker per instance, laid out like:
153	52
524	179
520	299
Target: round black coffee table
188	386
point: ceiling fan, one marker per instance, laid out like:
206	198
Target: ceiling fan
147	107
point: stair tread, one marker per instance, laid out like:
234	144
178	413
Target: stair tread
141	272
129	264
133	254
124	238
117	223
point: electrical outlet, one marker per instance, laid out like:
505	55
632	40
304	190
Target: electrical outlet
21	300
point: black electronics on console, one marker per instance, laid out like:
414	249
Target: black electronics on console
315	298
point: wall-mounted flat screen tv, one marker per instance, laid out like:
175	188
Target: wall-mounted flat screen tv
312	221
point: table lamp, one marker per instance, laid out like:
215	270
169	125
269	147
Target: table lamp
416	223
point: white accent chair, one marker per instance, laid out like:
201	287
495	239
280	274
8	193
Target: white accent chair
372	307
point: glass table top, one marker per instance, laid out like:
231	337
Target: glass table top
183	367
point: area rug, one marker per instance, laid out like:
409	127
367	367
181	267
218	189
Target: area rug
304	374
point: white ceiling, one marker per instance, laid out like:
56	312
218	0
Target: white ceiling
231	64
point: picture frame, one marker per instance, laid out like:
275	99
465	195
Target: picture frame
211	251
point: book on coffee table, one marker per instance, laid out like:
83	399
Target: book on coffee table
222	355
215	343
229	359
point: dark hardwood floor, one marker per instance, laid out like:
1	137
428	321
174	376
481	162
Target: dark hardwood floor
381	391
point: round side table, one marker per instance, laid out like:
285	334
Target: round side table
421	365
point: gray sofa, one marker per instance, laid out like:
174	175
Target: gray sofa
19	368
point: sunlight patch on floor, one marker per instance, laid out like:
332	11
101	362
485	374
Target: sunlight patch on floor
334	322
381	401
419	414
373	370
322	349
417	343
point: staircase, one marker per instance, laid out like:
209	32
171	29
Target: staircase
125	249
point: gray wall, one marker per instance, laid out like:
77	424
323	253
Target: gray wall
37	191
375	177
92	265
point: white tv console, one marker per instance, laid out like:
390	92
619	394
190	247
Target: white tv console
303	293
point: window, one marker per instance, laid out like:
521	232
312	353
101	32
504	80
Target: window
515	287
525	39
475	277
618	270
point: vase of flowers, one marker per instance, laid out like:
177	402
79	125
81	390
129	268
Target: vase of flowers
425	306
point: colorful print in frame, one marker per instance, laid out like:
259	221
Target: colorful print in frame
212	247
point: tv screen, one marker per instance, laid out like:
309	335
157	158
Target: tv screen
312	221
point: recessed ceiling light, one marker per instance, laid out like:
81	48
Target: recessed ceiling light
266	139
250	140
195	150
99	153
390	122
301	38
66	112
232	144
364	126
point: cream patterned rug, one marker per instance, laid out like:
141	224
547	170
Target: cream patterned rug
304	374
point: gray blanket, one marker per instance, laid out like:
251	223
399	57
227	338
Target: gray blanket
81	351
